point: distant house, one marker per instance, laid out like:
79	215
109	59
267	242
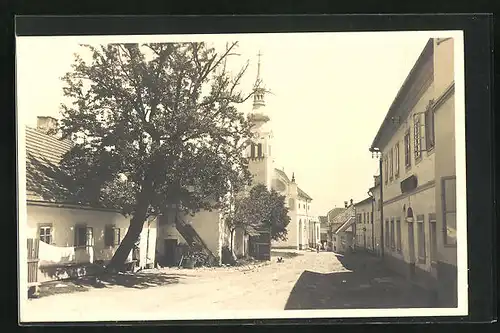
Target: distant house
364	230
71	236
323	220
343	234
332	225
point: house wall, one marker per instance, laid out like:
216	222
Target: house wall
421	200
376	221
364	226
63	221
292	203
445	167
207	224
147	244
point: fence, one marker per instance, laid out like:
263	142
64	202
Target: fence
33	247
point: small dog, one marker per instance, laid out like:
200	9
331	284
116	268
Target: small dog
280	259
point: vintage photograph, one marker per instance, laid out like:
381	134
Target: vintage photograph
241	176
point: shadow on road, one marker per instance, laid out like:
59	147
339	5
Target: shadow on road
128	280
285	254
364	284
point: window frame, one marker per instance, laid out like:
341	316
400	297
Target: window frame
417	137
407	144
421	241
399	241
396	160
430	131
393	240
391	164
87	229
433	244
51	232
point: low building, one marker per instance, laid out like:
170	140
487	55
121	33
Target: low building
365	237
323	220
66	237
377	225
343	230
417	143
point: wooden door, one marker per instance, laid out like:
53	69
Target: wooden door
170	248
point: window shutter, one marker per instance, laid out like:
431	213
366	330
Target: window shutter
252	150
259	150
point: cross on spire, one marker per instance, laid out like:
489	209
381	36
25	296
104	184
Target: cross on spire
258	65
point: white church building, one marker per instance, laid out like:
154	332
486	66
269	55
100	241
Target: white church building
209	229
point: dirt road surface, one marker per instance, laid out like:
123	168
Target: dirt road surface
308	281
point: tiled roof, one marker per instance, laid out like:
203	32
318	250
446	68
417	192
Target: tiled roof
334	212
345	225
363	201
343	217
303	194
43	155
282	174
285	177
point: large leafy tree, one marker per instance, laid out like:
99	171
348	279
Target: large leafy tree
154	125
259	209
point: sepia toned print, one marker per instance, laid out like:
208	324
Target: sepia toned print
282	175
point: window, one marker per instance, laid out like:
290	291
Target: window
111	236
371	217
386	171
398	230
433	237
364	218
407	149
391	164
259	150
387	235
429	127
421	238
83	236
417	136
396	153
45	233
252	150
449	202
393	241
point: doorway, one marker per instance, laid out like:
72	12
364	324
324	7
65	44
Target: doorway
170	249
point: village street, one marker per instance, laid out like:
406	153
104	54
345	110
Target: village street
308	281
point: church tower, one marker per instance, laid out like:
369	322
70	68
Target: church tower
260	162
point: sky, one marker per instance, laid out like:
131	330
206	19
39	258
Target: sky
330	94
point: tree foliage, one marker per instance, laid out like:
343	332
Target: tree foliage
154	124
260	209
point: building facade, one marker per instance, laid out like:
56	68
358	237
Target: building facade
72	237
416	142
364	227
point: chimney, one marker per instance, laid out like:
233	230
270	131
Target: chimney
351	202
345	204
47	125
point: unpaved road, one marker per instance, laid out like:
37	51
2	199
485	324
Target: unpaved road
309	281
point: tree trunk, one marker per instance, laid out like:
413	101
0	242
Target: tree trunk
134	230
231	242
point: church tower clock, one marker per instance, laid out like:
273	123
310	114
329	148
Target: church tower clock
260	162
